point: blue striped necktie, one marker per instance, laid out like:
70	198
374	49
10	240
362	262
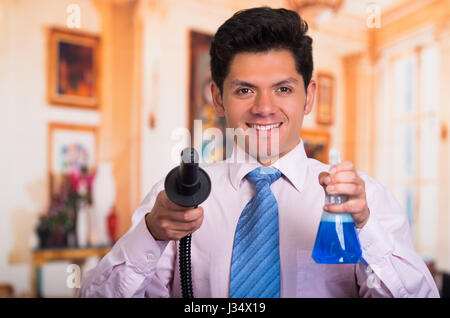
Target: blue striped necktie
255	264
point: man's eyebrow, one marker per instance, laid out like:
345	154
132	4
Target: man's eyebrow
241	83
289	80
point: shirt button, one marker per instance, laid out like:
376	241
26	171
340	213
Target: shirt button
150	257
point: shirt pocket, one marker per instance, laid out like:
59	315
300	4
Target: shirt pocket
324	280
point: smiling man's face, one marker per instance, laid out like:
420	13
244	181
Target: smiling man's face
265	92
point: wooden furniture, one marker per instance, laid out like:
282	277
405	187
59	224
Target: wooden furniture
6	291
73	255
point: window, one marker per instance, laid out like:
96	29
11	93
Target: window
415	83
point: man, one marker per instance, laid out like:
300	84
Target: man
261	64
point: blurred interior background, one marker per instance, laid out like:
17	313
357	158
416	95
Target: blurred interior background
94	93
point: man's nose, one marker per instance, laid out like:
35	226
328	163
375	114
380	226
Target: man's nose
264	104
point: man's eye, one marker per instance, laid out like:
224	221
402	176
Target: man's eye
244	91
284	89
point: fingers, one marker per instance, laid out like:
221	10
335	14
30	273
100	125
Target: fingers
343	166
168	204
346	177
342	179
350	189
182	226
352	206
169	221
357	208
343	172
324	178
180	214
186	216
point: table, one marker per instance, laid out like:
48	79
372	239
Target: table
73	255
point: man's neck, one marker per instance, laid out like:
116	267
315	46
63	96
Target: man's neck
268	161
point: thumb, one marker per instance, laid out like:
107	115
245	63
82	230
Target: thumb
322	177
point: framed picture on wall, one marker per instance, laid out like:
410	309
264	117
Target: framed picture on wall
71	148
317	144
200	99
325	106
73	68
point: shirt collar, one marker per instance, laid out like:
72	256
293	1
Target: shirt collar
292	165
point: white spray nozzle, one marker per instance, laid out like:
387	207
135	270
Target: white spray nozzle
334	156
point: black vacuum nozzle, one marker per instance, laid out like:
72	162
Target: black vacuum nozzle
188	185
187	179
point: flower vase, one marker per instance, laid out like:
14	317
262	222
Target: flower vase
82	223
104	196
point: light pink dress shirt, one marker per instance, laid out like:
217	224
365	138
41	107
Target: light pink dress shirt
140	266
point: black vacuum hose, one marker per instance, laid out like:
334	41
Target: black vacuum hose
185	267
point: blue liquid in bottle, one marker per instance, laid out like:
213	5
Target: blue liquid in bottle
336	241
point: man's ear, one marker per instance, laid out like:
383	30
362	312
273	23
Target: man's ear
310	94
217	100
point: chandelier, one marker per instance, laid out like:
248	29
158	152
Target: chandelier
315	12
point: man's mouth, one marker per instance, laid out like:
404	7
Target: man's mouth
264	127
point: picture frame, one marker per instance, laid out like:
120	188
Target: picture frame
316	143
200	100
73	63
325	99
70	147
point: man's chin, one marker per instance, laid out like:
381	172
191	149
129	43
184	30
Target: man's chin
265	154
267	160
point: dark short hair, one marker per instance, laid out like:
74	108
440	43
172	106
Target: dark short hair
260	30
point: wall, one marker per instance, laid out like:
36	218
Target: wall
23	127
119	138
443	220
165	78
327	56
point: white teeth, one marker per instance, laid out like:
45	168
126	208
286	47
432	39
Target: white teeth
264	127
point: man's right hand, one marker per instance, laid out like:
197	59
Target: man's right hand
169	221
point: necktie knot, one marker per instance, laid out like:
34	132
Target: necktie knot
263	174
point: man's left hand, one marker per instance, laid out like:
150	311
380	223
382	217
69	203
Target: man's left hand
344	179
